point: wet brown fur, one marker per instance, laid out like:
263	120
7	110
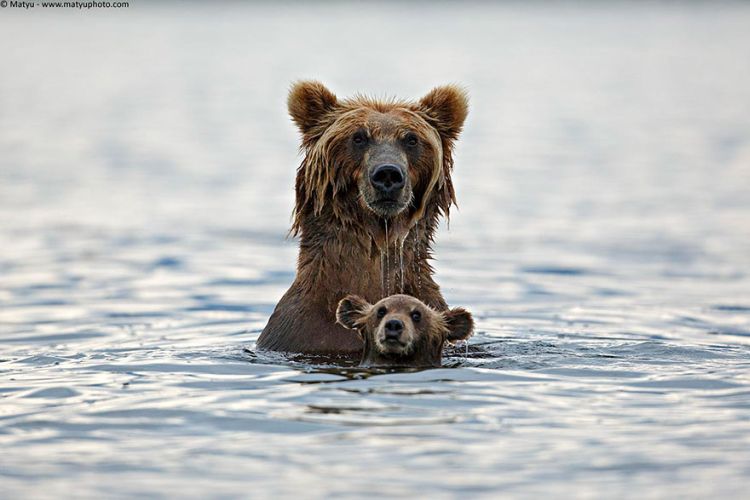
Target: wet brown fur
341	239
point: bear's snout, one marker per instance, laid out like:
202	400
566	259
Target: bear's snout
385	185
393	329
395	336
388	180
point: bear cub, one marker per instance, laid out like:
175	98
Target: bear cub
401	331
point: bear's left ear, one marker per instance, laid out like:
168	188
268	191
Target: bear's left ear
460	324
446	107
351	310
308	102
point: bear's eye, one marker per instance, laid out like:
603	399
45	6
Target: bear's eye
359	139
411	140
416	316
381	312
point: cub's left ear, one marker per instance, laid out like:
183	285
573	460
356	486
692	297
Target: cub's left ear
460	324
351	310
446	107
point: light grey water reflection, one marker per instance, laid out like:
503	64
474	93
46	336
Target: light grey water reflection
602	241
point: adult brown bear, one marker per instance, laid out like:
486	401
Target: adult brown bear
374	181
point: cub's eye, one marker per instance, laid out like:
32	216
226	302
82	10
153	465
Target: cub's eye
411	140
381	312
416	316
359	139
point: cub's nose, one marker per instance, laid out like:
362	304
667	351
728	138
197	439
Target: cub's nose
388	179
393	329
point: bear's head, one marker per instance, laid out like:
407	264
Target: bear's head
365	156
400	330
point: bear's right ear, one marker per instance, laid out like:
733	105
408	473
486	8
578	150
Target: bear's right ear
351	310
309	101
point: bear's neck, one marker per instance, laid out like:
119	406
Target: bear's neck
366	256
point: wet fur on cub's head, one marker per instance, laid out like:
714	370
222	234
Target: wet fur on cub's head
345	141
421	335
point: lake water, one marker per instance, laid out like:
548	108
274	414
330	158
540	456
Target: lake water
602	243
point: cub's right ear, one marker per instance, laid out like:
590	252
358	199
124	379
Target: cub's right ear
309	101
351	310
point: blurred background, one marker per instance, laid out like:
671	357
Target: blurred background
146	185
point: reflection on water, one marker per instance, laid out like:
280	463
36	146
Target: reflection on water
602	243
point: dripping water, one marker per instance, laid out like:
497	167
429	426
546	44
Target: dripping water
382	273
398	266
387	271
401	260
416	258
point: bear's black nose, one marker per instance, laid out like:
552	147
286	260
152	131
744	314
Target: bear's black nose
388	179
393	329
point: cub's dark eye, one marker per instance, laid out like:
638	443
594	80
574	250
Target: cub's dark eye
416	316
381	312
359	139
411	140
